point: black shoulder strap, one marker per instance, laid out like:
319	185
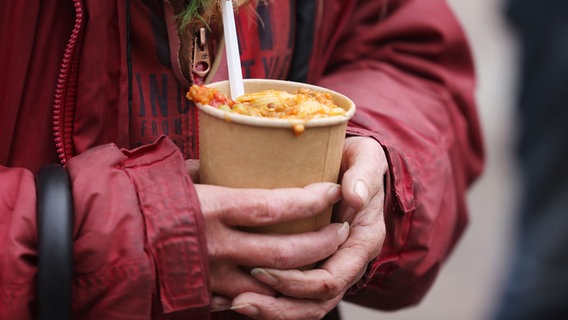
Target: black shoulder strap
55	244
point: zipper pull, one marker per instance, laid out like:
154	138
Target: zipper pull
201	62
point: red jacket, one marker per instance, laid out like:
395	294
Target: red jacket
72	86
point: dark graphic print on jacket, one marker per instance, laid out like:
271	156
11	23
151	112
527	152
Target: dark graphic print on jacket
158	104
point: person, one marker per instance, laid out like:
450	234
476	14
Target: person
536	282
99	86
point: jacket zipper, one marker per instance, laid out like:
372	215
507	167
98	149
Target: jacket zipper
200	63
65	91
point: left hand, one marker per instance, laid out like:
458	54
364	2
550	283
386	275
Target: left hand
310	294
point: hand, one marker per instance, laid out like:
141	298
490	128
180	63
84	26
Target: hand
311	294
229	247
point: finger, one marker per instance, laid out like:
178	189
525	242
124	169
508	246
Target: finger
317	284
258	306
364	165
338	273
257	207
369	215
304	284
230	281
284	251
363	245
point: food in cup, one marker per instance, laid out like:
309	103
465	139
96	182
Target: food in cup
303	104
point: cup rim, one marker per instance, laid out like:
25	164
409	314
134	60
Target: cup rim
271	122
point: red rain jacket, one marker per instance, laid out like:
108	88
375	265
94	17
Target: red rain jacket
65	96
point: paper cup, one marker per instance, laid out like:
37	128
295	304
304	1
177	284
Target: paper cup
242	151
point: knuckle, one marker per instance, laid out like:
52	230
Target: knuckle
266	211
312	203
329	290
360	245
219	247
321	203
215	250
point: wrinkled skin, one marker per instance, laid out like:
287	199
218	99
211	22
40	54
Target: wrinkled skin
279	290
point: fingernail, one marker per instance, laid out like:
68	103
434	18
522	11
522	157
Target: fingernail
361	190
220	304
246	309
334	194
263	276
343	232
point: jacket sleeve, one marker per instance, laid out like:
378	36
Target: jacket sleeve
18	240
139	251
407	66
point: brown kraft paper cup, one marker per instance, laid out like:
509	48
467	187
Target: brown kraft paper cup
241	151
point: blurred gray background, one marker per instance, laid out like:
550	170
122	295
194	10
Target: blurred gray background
469	283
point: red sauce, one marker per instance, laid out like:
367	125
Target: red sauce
208	96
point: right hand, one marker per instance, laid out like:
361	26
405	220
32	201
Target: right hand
226	209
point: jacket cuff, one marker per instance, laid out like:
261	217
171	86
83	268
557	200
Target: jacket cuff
174	225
